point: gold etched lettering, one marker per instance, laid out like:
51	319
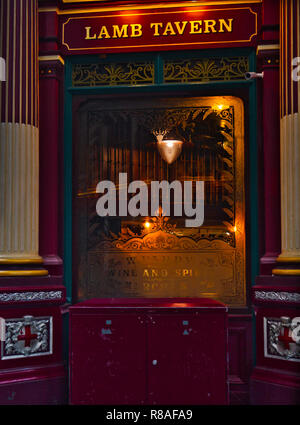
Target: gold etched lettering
88	34
103	33
154	273
130	260
120	32
136	30
195	27
146	273
156	25
223	24
187	272
180	29
169	29
209	23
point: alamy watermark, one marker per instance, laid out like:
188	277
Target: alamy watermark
2	69
184	203
2	329
296	71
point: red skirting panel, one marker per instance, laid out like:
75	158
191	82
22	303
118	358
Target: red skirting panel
31	355
276	377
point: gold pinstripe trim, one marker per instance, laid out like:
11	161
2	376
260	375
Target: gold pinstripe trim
286	272
23	273
145	6
288	260
51	58
21	260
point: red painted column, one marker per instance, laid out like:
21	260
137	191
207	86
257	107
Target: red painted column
268	57
276	298
51	112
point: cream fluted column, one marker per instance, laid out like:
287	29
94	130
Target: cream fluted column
19	140
289	259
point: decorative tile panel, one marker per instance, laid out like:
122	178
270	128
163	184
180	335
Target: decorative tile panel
282	338
27	337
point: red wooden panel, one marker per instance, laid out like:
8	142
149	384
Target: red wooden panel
34	385
240	357
188	358
107	364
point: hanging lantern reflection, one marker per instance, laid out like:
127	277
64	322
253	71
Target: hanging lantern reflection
168	145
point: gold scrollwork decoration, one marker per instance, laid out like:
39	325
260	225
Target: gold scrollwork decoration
112	74
162	240
205	69
158	227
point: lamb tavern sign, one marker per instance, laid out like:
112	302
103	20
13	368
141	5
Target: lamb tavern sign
163	27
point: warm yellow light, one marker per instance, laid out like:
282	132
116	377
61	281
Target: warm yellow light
234	229
179	305
147	224
169	149
220	107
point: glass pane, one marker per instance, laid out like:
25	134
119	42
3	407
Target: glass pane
158	256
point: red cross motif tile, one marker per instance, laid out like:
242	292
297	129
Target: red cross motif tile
27	337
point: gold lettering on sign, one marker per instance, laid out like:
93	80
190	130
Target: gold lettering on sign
224	24
136	30
88	34
156	25
160	29
104	33
180	29
120	33
210	26
169	29
195	27
117	31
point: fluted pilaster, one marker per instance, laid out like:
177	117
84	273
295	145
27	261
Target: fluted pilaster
289	259
19	139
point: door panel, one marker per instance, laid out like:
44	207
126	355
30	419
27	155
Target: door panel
187	359
108	359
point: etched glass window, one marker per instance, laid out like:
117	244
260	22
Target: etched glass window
159	256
